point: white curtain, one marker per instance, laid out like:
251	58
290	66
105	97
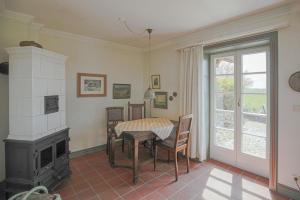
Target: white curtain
192	98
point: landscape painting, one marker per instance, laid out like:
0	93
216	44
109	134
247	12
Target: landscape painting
161	100
121	91
91	85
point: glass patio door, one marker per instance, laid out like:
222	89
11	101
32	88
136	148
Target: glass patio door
239	109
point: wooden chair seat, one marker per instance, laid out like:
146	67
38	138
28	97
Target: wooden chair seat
169	143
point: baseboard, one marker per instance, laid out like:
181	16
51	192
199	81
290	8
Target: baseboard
288	191
95	149
87	151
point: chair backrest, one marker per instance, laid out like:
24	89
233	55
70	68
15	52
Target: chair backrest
184	130
114	116
136	111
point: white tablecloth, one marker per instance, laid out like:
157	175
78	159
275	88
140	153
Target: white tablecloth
162	127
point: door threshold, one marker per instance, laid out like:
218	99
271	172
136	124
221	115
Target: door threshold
244	173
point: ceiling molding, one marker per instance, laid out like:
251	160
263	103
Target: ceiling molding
273	19
265	29
21	17
37	26
78	37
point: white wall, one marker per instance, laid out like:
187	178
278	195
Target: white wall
289	120
165	61
85	116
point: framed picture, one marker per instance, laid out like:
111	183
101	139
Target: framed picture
121	91
161	100
91	85
155	80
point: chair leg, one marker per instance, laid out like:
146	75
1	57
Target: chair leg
155	156
169	156
123	144
176	166
187	160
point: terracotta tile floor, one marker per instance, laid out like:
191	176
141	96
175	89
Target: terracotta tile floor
93	179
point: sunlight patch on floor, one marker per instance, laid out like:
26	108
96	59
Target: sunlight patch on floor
248	196
210	194
221	174
220	186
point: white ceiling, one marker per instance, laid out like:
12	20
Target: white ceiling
168	18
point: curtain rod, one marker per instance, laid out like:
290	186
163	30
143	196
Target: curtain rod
267	29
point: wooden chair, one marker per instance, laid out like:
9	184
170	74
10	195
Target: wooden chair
114	116
136	111
179	142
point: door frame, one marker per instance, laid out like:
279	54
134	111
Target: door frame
271	39
232	156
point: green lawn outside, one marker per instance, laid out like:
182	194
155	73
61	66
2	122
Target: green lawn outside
255	103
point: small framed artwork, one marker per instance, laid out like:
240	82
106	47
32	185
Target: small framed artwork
121	91
161	100
91	85
155	80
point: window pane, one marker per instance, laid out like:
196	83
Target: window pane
224	65
225	101
254	103
225	83
224	138
255	124
253	145
254	62
254	83
225	119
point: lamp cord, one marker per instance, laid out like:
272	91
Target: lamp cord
131	31
296	181
139	35
298	185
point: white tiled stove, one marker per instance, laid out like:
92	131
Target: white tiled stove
33	74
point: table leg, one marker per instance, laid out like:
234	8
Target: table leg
129	153
112	152
153	146
135	160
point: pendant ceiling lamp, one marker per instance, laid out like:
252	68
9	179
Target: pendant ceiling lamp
149	94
